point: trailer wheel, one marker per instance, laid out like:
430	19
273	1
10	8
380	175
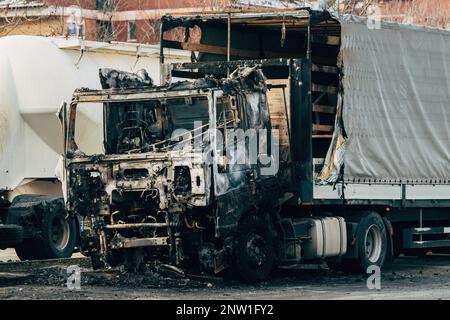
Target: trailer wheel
56	233
371	242
254	251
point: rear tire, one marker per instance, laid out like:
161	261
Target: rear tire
371	242
254	250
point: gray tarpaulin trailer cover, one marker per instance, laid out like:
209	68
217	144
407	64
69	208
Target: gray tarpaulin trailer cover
393	123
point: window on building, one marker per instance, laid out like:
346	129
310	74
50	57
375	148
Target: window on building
131	30
104	31
75	29
71	29
104	4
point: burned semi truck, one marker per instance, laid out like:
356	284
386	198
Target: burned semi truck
299	136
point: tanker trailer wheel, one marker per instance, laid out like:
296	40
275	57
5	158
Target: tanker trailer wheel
254	250
371	242
56	234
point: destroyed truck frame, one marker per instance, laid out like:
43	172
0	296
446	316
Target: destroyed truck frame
164	199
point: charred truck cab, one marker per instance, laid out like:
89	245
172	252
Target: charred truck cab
181	166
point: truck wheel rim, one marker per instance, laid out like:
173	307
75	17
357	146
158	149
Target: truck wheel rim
373	243
60	233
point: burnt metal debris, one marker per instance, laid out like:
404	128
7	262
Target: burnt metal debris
115	79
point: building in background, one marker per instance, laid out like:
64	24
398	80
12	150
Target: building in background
435	13
103	20
138	20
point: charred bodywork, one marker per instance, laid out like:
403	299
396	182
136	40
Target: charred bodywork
164	186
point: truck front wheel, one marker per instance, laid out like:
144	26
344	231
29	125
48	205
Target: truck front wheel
254	251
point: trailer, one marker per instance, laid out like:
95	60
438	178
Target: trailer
358	117
368	116
37	75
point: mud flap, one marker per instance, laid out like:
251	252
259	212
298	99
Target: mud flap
352	251
390	245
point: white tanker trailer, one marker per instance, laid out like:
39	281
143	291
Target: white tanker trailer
36	75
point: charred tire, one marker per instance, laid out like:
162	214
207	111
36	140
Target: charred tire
10	235
371	242
56	235
254	250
